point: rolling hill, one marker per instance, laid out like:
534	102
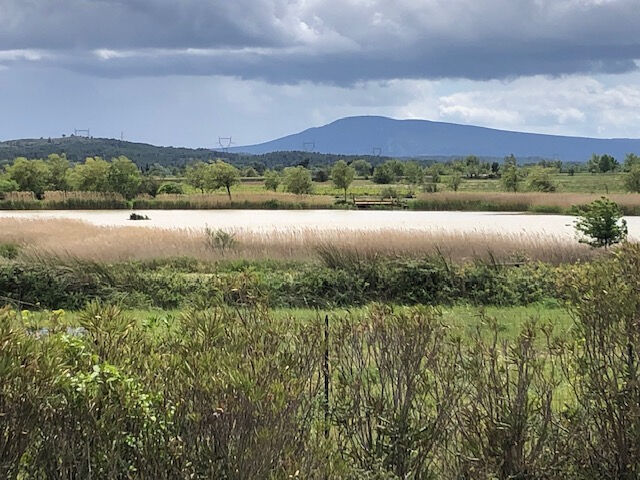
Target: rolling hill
78	148
413	138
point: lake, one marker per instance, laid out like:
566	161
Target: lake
283	220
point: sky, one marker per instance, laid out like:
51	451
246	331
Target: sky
187	72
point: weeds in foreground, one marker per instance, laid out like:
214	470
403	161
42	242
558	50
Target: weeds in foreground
234	392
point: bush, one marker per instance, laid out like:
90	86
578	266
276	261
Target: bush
601	223
171	188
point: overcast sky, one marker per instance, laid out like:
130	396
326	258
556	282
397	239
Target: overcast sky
185	72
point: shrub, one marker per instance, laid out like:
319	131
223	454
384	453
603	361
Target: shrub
601	223
602	365
171	188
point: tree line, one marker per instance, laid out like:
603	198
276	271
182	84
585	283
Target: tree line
121	175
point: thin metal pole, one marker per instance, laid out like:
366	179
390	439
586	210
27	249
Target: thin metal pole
326	376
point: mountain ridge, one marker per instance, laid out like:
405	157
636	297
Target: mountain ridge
362	135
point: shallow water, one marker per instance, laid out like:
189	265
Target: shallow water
287	220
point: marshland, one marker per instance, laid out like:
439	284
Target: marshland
271	334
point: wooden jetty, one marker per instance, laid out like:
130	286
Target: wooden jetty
377	202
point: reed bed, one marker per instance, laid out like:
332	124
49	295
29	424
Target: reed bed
561	203
249	200
59	200
84	200
74	238
18	201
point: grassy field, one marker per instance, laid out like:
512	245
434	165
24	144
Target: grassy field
602	183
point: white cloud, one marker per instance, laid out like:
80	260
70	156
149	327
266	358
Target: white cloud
22	54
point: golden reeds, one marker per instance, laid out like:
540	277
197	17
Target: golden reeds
75	238
248	199
526	201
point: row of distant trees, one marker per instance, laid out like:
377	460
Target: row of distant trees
122	176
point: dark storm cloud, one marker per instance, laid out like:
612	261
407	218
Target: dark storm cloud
340	41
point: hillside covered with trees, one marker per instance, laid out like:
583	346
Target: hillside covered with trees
77	148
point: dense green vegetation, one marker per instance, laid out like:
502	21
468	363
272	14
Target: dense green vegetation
229	387
343	279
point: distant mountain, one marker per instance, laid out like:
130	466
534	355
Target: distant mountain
413	138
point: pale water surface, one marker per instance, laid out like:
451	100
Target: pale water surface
287	220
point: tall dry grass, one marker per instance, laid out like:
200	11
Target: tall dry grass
18	201
88	200
520	202
261	200
56	200
81	240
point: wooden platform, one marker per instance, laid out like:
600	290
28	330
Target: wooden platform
372	203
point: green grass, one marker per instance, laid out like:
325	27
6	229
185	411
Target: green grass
578	183
463	319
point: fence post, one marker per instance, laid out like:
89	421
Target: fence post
326	376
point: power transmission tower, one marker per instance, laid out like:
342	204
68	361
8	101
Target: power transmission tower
82	132
225	143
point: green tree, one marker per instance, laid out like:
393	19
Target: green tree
342	176
297	180
196	174
435	171
602	163
607	164
90	176
272	180
221	175
384	174
7	184
397	166
413	173
539	180
472	166
362	167
249	172
593	165
455	180
149	185
320	175
510	160
171	188
630	161
58	166
124	177
511	178
632	179
30	175
601	223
